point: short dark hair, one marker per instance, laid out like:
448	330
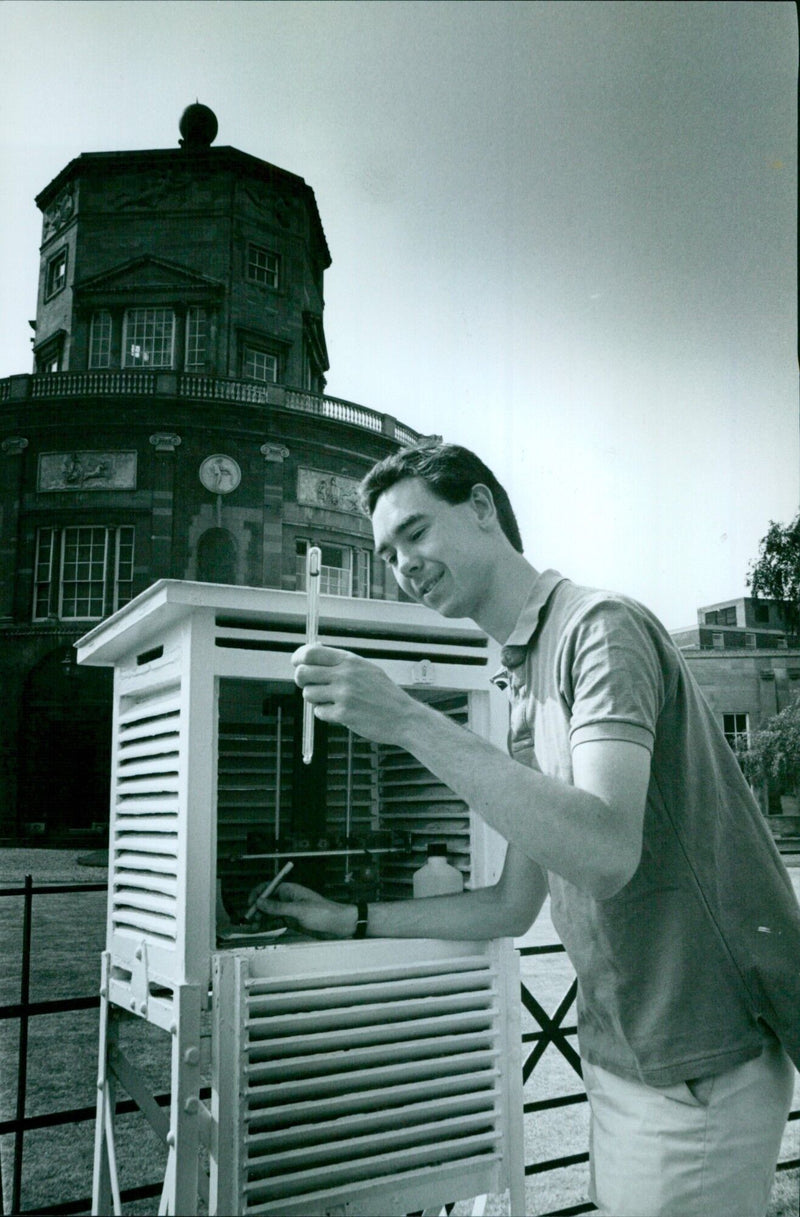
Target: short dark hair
449	471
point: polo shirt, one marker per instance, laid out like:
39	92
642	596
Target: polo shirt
685	971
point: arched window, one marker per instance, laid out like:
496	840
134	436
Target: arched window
217	557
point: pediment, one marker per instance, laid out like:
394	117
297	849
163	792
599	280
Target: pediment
147	274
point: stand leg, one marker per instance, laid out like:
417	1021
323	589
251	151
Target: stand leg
101	1176
180	1194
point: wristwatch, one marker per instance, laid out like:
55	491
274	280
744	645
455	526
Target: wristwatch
361	919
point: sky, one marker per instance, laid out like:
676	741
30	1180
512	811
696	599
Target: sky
563	234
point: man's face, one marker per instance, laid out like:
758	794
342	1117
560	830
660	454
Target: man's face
435	549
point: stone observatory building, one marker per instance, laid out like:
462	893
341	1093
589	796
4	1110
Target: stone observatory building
175	425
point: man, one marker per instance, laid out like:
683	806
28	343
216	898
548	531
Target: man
629	806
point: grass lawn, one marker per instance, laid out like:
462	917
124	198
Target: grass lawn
68	936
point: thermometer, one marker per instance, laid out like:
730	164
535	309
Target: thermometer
313	566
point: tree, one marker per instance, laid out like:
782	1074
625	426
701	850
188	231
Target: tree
776	573
773	753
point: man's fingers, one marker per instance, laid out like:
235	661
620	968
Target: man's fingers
292	891
319	656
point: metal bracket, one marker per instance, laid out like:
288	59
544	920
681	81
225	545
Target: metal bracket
140	989
423	673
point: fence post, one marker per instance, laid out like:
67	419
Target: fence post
22	1053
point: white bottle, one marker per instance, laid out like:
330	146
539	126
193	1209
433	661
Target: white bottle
437	877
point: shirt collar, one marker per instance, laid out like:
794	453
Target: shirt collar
516	646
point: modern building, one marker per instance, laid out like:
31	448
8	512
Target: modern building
744	624
174	425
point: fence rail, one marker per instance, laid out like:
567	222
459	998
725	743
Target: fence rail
553	1031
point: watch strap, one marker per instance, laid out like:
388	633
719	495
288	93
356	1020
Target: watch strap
361	919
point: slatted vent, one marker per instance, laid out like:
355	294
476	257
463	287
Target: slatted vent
373	639
254	780
367	1077
351	806
145	842
413	800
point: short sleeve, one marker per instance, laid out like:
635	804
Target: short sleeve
610	673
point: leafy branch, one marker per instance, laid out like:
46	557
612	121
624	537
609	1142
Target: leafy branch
775	575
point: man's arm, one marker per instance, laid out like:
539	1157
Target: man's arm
506	909
590	833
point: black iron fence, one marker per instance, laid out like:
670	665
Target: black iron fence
553	1030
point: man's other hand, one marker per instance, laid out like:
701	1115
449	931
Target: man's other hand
306	910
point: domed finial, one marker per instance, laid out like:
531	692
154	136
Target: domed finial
198	126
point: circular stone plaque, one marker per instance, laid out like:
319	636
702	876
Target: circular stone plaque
220	474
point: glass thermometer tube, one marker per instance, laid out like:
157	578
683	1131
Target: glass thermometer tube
313	566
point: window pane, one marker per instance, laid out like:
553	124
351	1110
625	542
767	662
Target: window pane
149	336
83	572
196	329
260	365
735	729
123	583
44	573
262	266
361	581
100	340
335	575
334	582
56	274
49	364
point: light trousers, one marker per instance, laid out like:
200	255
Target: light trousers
703	1148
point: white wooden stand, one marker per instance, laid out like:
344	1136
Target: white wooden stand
361	1078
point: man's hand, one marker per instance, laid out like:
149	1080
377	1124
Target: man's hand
307	910
343	688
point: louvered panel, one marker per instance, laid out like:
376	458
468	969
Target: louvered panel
148	925
425	1165
351	803
148	764
249	805
144	879
155	785
154	719
376	1122
351	810
147	880
413	800
144	819
448	1053
149	897
362	989
164	743
448	1090
155	863
368	974
359	1006
148	706
365	1079
417	1138
247	773
371	1033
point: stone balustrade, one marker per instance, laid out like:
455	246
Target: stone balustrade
197	387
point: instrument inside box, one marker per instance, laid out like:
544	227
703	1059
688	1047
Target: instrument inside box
356	821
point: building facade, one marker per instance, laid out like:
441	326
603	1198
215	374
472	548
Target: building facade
747	664
174	425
